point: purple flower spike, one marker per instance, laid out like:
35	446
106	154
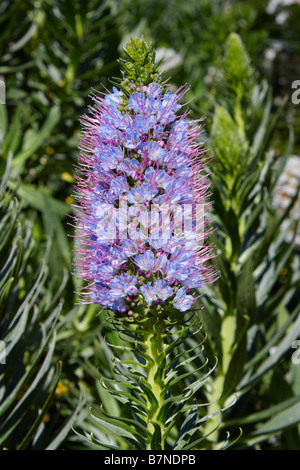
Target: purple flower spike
141	199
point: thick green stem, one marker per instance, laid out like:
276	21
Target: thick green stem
154	348
227	338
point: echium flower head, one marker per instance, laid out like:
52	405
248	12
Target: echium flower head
141	197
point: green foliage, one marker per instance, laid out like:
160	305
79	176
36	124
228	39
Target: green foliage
196	30
28	377
256	308
55	55
159	372
52	54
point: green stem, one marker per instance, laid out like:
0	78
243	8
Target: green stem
154	348
227	339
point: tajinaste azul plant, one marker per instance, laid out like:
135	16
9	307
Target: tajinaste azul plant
140	217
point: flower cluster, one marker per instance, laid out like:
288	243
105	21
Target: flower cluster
141	196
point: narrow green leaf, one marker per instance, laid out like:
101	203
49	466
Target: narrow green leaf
275	357
246	301
37	138
118	428
3	123
45	406
34	197
15	417
286	419
156	439
235	368
260	416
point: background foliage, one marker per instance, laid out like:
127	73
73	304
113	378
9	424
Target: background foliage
240	59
